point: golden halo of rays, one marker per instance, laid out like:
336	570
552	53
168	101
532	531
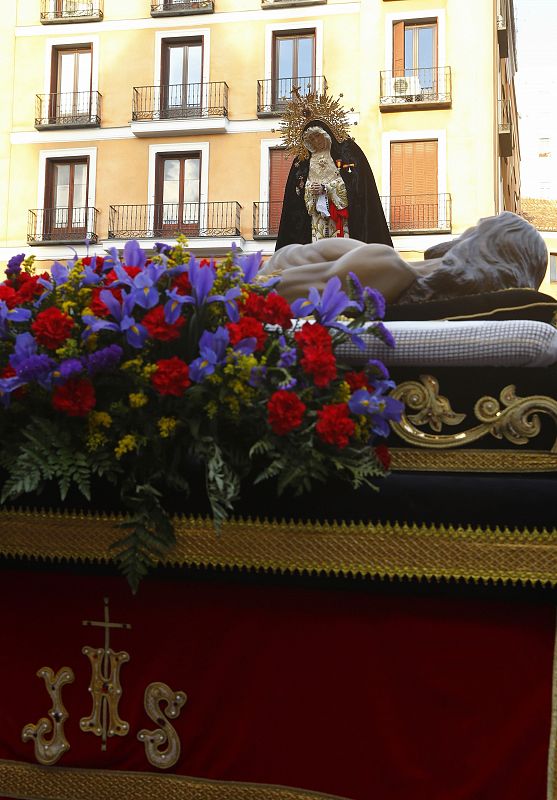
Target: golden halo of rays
311	107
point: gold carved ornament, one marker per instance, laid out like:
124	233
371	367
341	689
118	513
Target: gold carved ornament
513	418
311	107
155	695
49	751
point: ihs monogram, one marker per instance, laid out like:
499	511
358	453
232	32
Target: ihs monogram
106	692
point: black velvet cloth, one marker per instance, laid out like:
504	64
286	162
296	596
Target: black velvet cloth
366	218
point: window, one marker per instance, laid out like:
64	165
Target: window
279	167
293	64
71	76
553	268
177	192
415	52
65	214
414	186
181	78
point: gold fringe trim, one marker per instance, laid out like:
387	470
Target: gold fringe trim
349	549
31	782
413	460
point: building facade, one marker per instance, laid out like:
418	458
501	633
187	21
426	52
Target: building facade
150	118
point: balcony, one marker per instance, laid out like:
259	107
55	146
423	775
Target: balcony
62	225
180	109
416	89
423	213
60	11
266	219
273	94
169	220
290	3
502	29
68	110
180	8
505	131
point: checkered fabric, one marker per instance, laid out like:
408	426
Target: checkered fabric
510	343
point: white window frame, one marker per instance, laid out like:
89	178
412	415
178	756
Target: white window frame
70	152
185	33
409	16
59	41
278	27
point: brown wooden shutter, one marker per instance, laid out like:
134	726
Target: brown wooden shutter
414	192
279	167
398	49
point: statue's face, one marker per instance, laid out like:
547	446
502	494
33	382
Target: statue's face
315	140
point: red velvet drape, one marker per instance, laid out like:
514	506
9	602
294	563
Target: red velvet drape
337	690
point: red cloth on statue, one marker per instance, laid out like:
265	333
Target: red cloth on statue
339	217
338	689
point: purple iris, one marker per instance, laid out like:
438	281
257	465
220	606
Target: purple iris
90	277
14	264
378	369
134	256
163	249
143	286
249	263
11	315
366	298
134	331
202	280
212	350
325	307
378	407
105	360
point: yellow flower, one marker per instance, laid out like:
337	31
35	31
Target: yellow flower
342	393
100	419
211	409
148	370
138	399
127	444
167	426
134	365
362	431
70	349
96	440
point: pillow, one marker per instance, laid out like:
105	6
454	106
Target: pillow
510	343
504	304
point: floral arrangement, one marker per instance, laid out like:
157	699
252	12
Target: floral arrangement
133	369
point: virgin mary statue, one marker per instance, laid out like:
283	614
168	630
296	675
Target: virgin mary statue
330	191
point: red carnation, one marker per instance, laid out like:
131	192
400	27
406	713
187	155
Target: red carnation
76	397
285	412
182	284
314	336
8	295
334	425
247	328
159	328
253	306
383	456
52	327
277	311
97	306
320	364
171	376
28	286
357	380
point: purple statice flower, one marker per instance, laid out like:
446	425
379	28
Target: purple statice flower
36	368
377	369
14	264
288	355
383	333
288	383
105	360
69	368
366	299
257	376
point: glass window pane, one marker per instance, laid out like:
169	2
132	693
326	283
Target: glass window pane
285	58
194	63
176	65
171	190
408	50
66	72
305	58
83	72
80	186
61	185
425	47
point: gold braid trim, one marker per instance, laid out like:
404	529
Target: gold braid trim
32	782
386	550
410	459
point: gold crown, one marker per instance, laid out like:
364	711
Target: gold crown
311	107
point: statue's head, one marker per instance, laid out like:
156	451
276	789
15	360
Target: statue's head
316	138
500	252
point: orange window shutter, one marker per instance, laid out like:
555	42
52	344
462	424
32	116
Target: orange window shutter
414	185
279	167
398	49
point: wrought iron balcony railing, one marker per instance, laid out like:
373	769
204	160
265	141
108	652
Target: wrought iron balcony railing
180	101
168	220
68	110
59	225
266	219
71	11
417	213
504	125
419	87
274	93
171	8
